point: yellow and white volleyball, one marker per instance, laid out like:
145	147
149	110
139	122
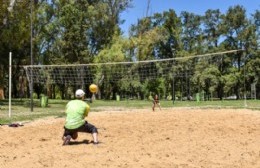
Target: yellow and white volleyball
93	88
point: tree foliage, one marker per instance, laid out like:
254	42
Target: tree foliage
88	31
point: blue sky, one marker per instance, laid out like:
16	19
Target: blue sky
196	6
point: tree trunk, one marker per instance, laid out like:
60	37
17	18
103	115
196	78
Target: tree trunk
2	95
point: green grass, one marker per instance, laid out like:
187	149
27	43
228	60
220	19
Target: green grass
23	112
252	104
21	108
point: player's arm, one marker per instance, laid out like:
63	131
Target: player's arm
87	110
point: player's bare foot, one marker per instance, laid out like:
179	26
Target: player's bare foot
66	140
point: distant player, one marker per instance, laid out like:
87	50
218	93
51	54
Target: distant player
76	111
156	102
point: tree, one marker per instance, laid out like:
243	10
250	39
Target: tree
114	53
235	27
192	44
15	37
191	34
211	21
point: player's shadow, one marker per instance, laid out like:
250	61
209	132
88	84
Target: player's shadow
80	142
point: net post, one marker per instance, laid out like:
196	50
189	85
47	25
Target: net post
31	81
245	102
173	89
10	83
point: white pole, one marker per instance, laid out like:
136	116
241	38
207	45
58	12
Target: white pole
10	82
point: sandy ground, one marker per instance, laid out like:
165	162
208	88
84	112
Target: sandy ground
171	138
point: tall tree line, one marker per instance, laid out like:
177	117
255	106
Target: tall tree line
88	31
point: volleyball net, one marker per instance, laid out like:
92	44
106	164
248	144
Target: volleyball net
180	76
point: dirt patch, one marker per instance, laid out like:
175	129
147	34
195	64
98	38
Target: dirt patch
177	137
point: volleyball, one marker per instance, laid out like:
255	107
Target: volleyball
93	88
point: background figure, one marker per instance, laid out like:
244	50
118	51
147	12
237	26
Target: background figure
76	111
156	102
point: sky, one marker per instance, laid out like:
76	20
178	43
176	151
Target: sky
199	7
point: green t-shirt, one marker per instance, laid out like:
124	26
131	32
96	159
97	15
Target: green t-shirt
76	111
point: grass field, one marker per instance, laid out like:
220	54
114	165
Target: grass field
21	108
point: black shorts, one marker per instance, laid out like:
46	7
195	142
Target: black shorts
87	127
